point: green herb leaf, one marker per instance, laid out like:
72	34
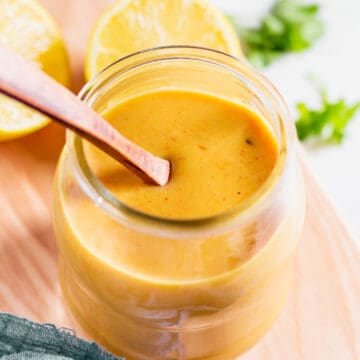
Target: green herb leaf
290	26
328	123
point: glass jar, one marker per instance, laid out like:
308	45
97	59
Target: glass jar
219	283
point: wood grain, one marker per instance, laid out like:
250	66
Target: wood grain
322	318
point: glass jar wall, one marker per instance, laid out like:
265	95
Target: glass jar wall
153	288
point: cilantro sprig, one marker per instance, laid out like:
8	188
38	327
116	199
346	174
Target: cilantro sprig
290	26
327	123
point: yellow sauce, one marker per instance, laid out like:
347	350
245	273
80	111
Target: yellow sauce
146	296
220	153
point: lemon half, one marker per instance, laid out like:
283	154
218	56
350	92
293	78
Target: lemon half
26	27
133	25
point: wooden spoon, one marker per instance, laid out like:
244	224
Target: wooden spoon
23	81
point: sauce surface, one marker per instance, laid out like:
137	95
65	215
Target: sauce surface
220	152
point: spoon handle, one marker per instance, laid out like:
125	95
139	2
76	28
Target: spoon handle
23	81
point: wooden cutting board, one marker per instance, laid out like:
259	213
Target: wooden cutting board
322	318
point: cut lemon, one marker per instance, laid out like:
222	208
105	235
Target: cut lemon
133	25
26	27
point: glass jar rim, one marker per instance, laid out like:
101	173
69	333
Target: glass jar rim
167	227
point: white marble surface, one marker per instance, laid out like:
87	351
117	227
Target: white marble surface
336	61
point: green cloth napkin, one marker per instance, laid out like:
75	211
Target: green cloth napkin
21	339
